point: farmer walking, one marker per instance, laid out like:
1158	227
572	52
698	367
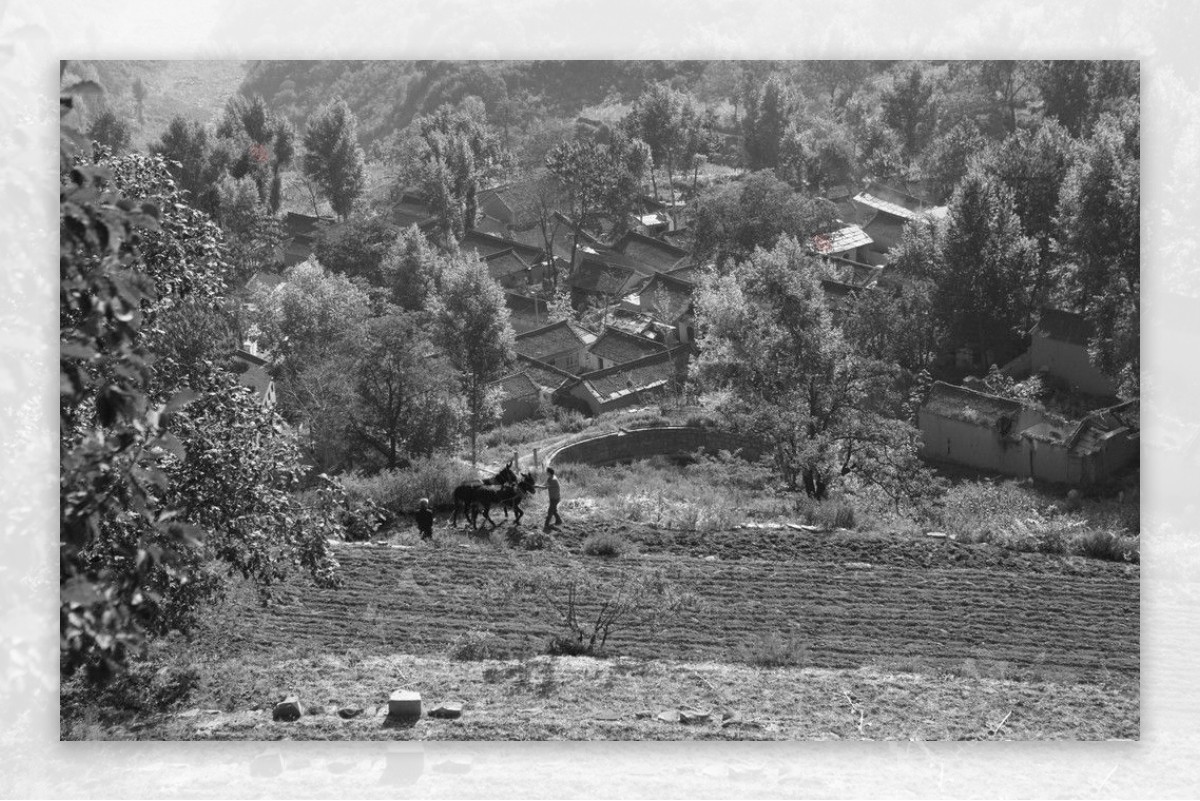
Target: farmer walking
552	490
424	517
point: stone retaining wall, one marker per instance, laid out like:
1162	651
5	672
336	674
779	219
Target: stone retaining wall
642	443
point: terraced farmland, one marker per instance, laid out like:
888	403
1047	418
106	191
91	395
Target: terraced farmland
850	600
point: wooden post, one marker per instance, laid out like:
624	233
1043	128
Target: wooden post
536	462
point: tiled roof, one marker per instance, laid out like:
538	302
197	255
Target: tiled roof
692	273
546	376
1064	326
505	263
517	385
550	340
486	245
495	203
602	277
303	225
642	375
967	405
655	253
635	322
845	238
667	297
619	347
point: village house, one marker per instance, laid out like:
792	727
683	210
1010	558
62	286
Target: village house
300	233
520	397
646	380
667	299
601	280
512	272
1059	347
525	313
1003	435
251	370
616	347
654	254
881	212
847	240
563	345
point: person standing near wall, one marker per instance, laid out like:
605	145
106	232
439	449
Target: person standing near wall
554	493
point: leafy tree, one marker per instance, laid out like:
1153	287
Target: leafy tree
895	327
188	153
599	180
258	144
1034	165
451	153
356	248
157	476
782	372
1114	89
254	236
1064	87
948	157
139	98
411	267
311	316
816	154
768	114
332	157
665	119
909	109
735	218
984	293
1099	231
471	321
110	131
837	79
406	393
1009	82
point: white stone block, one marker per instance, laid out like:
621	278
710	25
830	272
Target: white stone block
404	705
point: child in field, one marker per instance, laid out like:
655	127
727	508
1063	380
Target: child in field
424	516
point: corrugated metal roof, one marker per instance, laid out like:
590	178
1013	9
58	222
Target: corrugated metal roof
843	239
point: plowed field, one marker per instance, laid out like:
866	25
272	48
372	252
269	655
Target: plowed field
851	600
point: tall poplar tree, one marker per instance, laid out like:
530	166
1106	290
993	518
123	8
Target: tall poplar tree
333	159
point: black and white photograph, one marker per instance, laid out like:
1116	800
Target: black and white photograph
600	400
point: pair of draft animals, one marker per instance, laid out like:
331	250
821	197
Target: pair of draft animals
503	489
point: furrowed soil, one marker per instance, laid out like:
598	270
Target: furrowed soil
853	600
798	635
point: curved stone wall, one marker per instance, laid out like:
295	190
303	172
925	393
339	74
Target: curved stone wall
642	443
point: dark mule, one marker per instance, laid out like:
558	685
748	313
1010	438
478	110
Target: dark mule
486	497
468	496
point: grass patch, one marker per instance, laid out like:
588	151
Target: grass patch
709	493
775	650
398	491
607	545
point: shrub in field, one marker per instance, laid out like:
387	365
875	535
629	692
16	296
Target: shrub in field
531	539
606	544
830	513
1107	545
591	606
397	491
475	646
775	650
